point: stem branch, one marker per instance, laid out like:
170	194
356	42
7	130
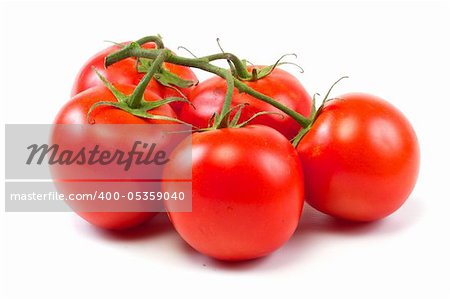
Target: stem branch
241	69
228	98
203	63
136	98
151	38
303	121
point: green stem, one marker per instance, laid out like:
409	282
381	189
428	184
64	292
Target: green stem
303	121
241	69
152	38
228	98
203	63
125	53
135	99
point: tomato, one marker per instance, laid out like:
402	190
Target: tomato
360	158
125	72
208	96
75	112
247	192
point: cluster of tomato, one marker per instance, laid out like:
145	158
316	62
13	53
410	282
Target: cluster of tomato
357	158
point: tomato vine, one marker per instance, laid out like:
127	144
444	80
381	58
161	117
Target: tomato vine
204	63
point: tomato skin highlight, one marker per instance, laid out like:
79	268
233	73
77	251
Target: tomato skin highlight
360	158
208	96
125	72
247	192
75	112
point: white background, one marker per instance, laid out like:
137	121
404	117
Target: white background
396	50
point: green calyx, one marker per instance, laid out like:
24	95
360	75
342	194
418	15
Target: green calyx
142	111
229	121
315	112
135	103
260	73
164	76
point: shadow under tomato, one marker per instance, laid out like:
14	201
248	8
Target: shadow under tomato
158	225
210	263
312	234
313	221
315	229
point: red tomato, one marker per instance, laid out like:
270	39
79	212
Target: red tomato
75	112
360	158
125	72
247	192
208	96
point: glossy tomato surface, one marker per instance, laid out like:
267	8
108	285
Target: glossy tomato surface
208	96
125	72
75	112
247	192
360	158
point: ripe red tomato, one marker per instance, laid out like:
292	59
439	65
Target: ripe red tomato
247	192
75	112
360	158
208	96
125	72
